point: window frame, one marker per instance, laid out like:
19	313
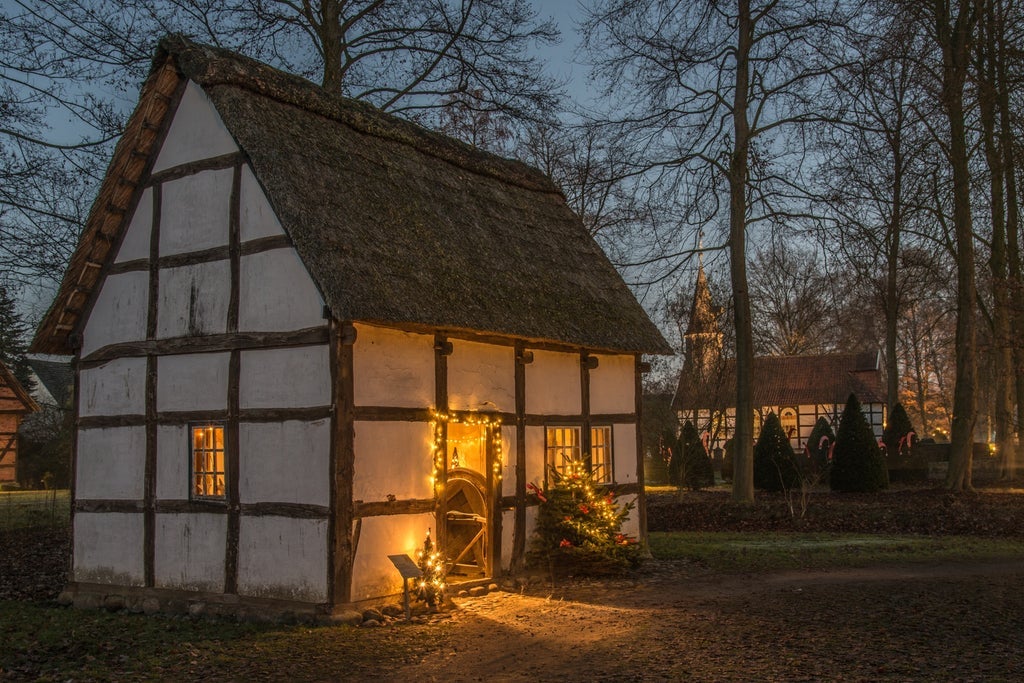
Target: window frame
582	449
223	451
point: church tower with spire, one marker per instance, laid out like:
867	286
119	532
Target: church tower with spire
703	338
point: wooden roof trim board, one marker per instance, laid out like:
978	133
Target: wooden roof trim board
105	225
7	379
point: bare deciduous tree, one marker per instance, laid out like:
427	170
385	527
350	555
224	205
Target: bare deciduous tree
713	88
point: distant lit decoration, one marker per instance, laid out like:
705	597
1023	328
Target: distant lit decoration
455	458
432	564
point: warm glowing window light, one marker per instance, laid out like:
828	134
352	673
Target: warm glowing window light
565	451
469	437
208	470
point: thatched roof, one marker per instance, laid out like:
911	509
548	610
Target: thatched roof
789	381
396	224
58	377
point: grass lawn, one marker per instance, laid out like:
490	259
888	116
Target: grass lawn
20	509
760	551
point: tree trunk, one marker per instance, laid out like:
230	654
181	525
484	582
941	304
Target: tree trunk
1011	457
892	379
954	36
1002	356
743	438
329	34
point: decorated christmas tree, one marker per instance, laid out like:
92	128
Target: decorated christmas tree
579	525
431	563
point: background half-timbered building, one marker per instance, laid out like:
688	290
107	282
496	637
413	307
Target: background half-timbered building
799	389
307	332
15	404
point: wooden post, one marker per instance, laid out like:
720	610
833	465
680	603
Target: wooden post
519	528
442	347
343	463
641	496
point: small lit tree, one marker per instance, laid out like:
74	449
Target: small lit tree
579	525
432	564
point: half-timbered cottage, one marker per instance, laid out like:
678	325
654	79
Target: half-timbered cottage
798	389
308	332
15	403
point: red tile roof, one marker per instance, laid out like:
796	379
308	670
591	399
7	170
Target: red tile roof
791	381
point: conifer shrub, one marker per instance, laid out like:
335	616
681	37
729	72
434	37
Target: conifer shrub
896	431
775	466
691	465
819	446
858	464
904	463
579	526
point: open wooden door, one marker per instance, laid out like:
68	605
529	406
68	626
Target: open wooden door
468	504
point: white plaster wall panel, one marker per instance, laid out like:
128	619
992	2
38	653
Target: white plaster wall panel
277	294
613	385
108	548
283	558
285	378
392	458
111	463
195	212
172	462
482	377
192	381
624	453
114	388
285	462
508	524
119	314
373	575
553	384
256	215
630	527
508	460
535	470
393	368
189	551
531	523
135	244
196	132
194	300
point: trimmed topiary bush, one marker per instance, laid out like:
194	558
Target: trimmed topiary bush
894	436
775	467
819	446
691	464
857	462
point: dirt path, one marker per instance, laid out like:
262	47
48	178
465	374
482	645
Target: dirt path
949	622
